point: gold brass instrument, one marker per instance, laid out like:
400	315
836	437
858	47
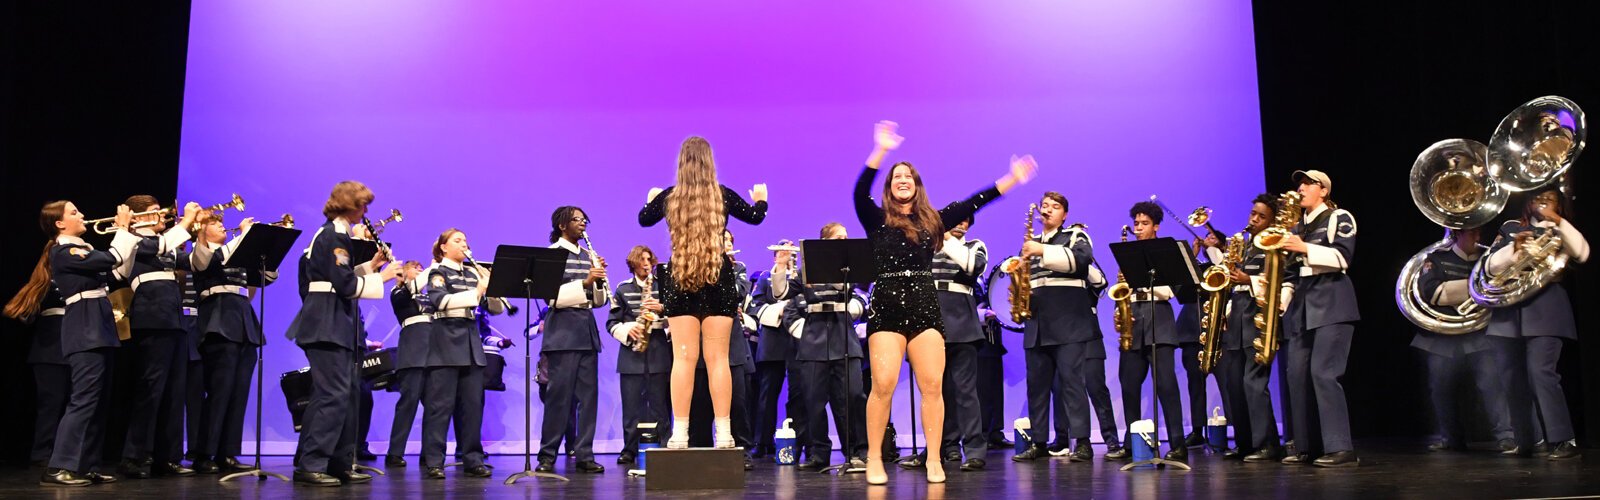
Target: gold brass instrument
167	215
287	221
1217	282
1271	240
1122	295
1021	298
378	227
121	300
647	318
794	256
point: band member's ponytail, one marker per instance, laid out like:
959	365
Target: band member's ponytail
26	303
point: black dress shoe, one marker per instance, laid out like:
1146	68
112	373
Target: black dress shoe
1507	444
1271	453
394	461
1084	452
626	458
365	454
1346	458
433	472
171	469
1541	446
63	477
98	478
206	467
913	462
230	464
1297	459
546	466
1447	445
136	469
1117	453
1031	454
1232	454
591	466
1567	450
315	479
481	471
353	477
952	456
975	464
1194	440
1178	455
812	465
998	440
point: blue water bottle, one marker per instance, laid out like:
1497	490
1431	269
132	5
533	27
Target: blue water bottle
648	440
1144	443
783	440
1020	436
1217	431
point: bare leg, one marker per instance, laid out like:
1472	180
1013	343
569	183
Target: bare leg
927	364
714	334
685	353
885	349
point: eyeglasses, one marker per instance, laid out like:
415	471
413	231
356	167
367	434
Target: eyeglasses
584	220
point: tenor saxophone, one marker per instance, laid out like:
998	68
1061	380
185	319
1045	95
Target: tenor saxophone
1271	240
1122	295
1213	314
1021	272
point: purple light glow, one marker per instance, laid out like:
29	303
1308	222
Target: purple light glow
487	115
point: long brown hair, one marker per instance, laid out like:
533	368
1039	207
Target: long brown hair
923	221
26	303
696	217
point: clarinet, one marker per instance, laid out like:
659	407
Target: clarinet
594	261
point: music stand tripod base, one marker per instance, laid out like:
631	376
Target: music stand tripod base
1158	462
260	475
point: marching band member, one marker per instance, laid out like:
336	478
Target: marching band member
1533	329
775	356
194	399
154	442
1444	283
646	356
700	291
328	329
741	364
956	268
572	346
821	319
1154	340
78	273
906	231
230	333
1206	252
991	374
1062	331
414	313
1318	325
1244	381
454	386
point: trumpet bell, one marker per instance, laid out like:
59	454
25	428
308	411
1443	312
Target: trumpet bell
1452	185
1537	142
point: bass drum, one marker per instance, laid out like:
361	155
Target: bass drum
494	372
996	288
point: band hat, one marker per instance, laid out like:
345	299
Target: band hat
1316	176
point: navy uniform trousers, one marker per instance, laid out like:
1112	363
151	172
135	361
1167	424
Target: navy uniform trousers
81	432
1094	381
327	424
1056	370
228	369
1315	360
577	387
963	425
1247	399
155	427
411	382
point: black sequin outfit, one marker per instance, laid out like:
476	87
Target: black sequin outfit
904	300
722	298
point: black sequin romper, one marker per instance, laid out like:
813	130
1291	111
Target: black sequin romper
722	298
904	300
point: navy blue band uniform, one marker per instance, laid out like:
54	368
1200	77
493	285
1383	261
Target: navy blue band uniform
821	319
571	348
904	298
453	391
81	274
1318	328
723	297
1443	283
644	383
158	350
956	269
51	376
229	334
1247	398
412	310
1155	338
1060	334
775	362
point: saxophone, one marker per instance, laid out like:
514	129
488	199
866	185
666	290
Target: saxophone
647	318
1217	282
1122	295
1021	272
1271	240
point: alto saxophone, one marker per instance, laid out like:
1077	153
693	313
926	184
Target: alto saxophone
1122	295
1271	240
1021	272
1213	314
647	318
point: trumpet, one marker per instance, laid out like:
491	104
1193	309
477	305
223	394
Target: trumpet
1199	217
163	216
1122	295
287	221
794	256
377	227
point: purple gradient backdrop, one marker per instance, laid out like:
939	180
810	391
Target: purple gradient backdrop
487	115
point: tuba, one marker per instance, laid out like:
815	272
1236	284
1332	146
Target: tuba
1271	240
1216	282
1122	295
1451	185
1021	289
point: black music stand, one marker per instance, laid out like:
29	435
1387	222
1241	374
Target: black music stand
264	247
840	261
527	273
1151	263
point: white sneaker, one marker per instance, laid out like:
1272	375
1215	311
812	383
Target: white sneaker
678	441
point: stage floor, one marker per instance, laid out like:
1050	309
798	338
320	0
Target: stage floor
1388	470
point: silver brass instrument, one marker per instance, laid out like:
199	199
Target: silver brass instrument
169	214
794	256
1540	263
1451	185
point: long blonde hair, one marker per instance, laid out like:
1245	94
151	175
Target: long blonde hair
696	217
